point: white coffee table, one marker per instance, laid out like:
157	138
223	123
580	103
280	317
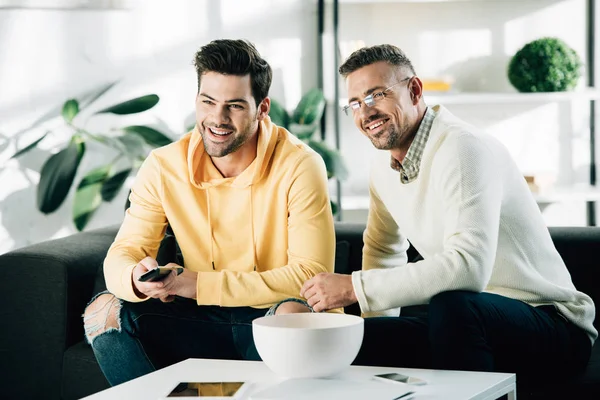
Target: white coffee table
447	385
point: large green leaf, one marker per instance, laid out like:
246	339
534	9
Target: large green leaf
134	146
339	169
334	207
29	146
334	162
310	108
87	197
70	110
132	106
150	135
279	116
303	132
57	175
113	185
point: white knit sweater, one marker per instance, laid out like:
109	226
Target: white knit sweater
472	217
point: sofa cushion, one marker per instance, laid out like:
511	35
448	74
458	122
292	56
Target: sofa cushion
81	375
578	247
342	254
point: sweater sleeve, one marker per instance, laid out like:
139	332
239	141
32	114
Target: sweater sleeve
468	183
311	247
384	248
140	234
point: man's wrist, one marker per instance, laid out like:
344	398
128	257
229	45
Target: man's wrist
351	293
139	294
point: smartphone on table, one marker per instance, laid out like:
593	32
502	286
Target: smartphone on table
158	274
396	377
210	390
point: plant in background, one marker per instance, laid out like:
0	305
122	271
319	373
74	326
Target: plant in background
303	123
545	65
131	145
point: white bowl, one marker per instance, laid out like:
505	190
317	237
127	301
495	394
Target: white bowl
308	345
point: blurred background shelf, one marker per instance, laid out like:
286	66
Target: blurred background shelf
356	207
65	5
496	98
547	133
415	1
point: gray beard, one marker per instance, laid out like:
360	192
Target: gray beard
389	143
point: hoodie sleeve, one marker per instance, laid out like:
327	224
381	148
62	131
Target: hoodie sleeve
140	234
311	247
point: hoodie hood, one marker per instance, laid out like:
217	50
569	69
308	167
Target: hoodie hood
203	174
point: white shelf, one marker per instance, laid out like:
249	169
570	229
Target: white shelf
510	97
411	1
433	98
544	197
570	193
65	4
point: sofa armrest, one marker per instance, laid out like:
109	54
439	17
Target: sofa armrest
45	288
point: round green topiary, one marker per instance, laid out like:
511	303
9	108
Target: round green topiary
545	65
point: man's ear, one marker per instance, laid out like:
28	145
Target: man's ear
416	90
263	109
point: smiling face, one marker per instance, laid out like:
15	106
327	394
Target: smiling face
392	121
227	116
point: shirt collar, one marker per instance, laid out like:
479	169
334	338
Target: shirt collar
409	168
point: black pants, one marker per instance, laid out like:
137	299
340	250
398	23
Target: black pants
152	335
479	332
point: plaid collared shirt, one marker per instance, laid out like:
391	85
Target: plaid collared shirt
409	168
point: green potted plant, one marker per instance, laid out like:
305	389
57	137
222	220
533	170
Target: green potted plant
545	65
303	122
130	144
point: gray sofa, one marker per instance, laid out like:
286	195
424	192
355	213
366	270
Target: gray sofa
45	287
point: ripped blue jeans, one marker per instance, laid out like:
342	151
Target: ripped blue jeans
151	335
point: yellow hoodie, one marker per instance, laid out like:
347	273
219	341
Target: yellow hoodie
253	239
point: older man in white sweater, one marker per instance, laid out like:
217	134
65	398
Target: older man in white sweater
500	297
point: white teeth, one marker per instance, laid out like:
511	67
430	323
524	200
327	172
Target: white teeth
376	125
219	133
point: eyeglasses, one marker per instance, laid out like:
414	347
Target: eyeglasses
371	99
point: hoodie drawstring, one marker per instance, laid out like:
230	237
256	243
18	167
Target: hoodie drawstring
210	231
255	258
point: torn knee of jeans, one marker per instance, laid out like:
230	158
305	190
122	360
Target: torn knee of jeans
102	315
303	307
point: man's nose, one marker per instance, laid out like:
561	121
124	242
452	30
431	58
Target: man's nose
221	114
365	111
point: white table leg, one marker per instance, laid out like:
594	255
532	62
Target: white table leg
512	395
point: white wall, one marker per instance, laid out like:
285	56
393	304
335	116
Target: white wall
471	42
49	56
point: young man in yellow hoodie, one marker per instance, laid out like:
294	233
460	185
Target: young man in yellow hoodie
248	203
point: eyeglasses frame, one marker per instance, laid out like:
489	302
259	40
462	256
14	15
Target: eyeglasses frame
371	99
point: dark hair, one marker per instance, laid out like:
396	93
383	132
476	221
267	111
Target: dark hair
370	55
235	57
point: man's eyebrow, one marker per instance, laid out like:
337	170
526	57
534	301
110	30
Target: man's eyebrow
366	93
226	101
236	101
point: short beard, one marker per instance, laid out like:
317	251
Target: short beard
389	143
222	152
